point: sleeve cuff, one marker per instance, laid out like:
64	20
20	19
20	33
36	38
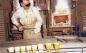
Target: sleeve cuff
37	30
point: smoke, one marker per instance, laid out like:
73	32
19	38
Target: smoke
62	4
62	7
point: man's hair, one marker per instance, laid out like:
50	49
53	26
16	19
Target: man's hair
20	1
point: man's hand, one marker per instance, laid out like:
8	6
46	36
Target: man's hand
20	28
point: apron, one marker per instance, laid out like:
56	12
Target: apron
28	32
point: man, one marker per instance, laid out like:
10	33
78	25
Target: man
16	4
27	19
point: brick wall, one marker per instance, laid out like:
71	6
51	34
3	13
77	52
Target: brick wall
81	13
2	27
5	9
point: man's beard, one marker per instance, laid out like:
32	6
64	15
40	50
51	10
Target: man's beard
27	5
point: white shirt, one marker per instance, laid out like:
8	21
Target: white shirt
20	14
